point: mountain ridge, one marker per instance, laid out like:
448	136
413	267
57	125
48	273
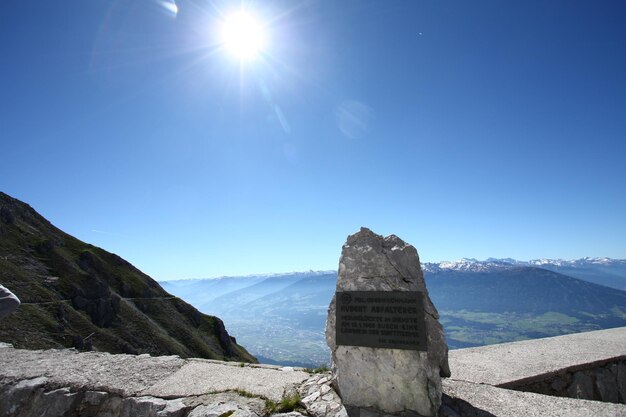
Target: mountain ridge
602	271
605	271
462	263
78	295
472	263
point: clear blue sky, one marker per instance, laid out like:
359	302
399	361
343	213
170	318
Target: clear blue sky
468	128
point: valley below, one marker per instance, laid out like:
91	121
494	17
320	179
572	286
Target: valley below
281	319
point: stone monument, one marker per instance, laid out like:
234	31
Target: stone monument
388	348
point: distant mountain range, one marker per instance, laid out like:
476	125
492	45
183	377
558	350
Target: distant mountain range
77	295
602	271
281	318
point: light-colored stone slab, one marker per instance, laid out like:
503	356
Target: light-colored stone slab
485	400
228	404
121	374
199	377
159	376
510	364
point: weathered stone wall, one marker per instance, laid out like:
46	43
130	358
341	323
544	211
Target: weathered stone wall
600	383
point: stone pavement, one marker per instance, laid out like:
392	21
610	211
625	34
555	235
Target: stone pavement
125	375
54	383
199	377
159	376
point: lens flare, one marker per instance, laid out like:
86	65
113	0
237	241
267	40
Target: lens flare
170	6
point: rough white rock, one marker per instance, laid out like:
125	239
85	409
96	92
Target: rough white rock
311	398
173	408
28	398
320	399
218	410
393	381
223	403
58	402
14	397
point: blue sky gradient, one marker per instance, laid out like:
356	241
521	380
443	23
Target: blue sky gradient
470	129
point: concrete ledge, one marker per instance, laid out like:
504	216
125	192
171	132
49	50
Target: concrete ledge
479	400
520	363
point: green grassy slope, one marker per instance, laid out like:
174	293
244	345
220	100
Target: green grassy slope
77	295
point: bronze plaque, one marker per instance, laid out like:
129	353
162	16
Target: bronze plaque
381	319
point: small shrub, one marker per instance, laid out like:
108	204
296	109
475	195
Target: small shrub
270	406
319	370
245	393
289	403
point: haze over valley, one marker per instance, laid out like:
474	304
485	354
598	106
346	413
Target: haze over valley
281	318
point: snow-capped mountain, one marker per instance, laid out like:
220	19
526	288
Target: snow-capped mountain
583	262
494	264
603	271
469	265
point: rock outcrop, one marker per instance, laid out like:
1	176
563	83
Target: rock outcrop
320	399
394	381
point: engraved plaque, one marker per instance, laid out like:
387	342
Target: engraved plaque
381	319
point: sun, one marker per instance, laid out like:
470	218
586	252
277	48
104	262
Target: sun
243	35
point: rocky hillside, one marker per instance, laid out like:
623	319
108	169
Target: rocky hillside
77	295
